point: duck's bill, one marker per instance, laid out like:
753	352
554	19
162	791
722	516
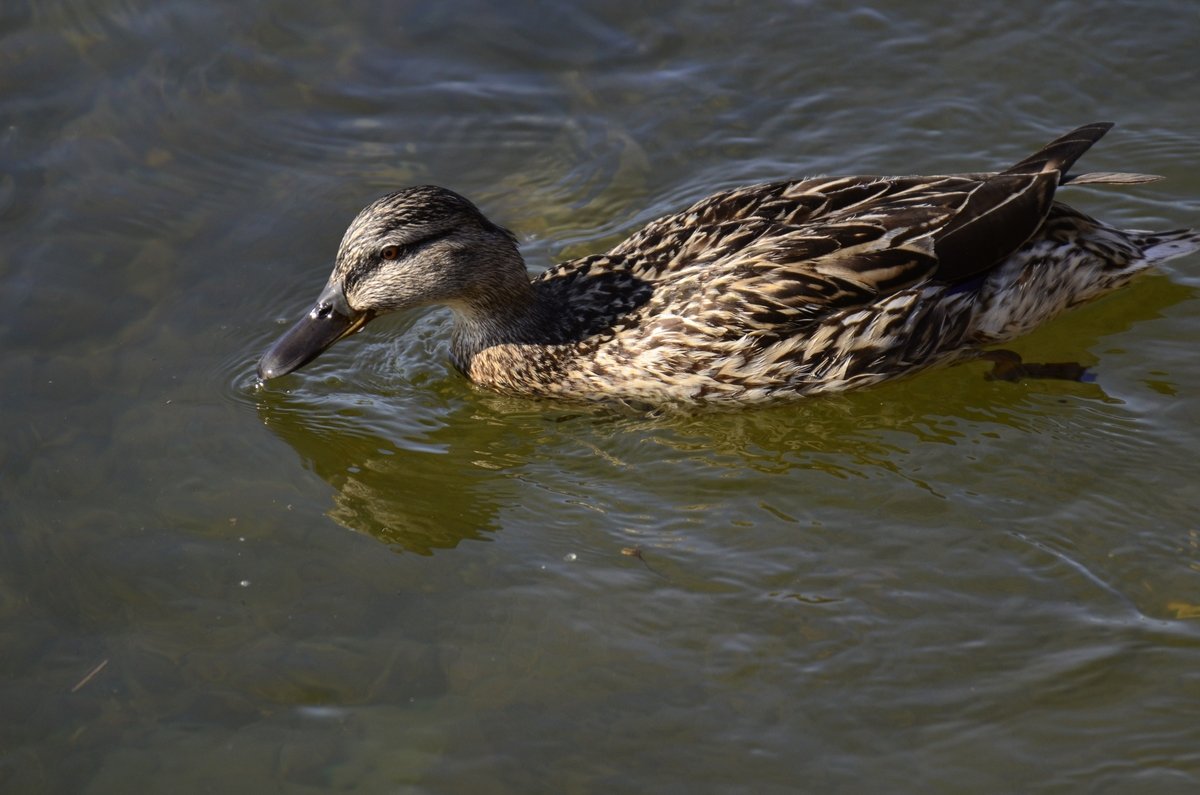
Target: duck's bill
327	322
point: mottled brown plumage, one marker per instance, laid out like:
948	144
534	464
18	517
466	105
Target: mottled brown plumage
764	292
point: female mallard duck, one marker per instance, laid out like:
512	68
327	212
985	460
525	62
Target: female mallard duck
764	292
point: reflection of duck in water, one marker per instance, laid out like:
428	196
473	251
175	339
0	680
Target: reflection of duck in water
421	497
770	291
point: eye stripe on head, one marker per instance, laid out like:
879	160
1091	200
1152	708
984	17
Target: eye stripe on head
390	253
394	251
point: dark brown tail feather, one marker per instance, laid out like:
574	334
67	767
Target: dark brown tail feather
1061	153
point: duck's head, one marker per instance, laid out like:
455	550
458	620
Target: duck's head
419	246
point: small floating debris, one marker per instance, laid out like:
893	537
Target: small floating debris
89	676
636	552
808	599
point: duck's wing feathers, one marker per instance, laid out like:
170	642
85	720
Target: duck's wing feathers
800	249
1004	210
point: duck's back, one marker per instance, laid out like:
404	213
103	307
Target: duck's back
794	288
790	288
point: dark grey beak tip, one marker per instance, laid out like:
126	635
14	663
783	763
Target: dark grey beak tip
301	344
267	371
270	367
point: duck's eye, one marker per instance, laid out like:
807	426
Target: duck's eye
390	252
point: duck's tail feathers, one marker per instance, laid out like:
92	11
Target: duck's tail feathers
1161	246
1061	153
1109	178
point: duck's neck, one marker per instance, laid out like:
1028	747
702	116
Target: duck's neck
505	311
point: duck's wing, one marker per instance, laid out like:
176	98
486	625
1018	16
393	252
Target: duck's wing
1003	211
591	295
800	249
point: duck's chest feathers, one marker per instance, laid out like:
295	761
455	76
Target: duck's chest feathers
578	313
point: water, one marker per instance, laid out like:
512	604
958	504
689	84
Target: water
374	578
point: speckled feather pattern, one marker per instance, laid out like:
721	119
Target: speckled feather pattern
791	289
767	292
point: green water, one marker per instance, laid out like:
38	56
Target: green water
373	578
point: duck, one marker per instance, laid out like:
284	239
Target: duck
767	292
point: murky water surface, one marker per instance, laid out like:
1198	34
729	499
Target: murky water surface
371	577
